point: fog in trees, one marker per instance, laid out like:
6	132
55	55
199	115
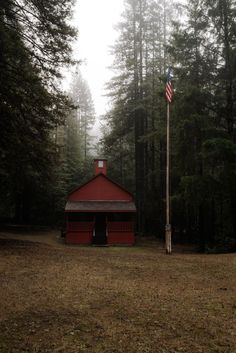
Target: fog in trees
201	50
46	143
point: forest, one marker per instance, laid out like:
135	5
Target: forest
47	147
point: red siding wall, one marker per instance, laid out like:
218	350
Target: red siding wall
120	233
121	238
100	188
79	233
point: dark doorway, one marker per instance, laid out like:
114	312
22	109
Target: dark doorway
100	237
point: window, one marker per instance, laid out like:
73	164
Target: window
100	164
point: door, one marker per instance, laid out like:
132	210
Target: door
100	237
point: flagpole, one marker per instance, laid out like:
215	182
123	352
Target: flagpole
168	225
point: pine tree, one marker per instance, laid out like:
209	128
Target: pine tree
82	98
204	152
35	41
136	118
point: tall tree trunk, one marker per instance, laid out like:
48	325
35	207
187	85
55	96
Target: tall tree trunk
224	9
139	116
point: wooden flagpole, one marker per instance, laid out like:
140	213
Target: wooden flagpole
168	225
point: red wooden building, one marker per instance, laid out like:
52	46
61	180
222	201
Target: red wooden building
100	211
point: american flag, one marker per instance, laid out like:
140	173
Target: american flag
169	88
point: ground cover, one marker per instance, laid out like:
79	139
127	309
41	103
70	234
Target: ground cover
56	298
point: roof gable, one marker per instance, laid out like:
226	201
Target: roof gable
100	188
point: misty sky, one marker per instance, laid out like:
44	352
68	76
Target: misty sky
95	21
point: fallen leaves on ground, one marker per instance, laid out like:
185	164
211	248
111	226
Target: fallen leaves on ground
115	300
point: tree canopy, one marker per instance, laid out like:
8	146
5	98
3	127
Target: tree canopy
35	41
46	138
199	43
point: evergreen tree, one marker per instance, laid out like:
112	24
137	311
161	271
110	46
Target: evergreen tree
72	140
202	51
82	98
203	139
136	117
35	41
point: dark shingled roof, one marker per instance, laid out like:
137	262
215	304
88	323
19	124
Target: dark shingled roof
108	206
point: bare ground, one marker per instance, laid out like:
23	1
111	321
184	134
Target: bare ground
56	298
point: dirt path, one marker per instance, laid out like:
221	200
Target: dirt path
52	238
56	298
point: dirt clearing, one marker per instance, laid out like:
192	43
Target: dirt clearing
64	299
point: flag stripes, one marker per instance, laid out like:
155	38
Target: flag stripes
169	88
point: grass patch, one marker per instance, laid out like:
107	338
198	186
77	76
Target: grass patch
115	300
